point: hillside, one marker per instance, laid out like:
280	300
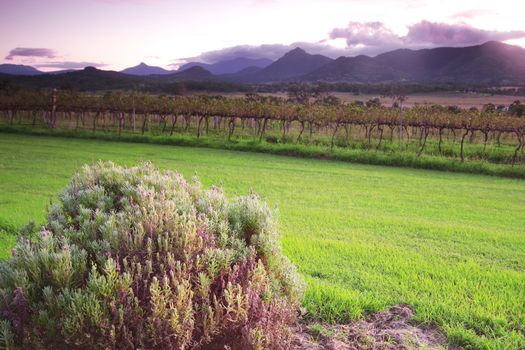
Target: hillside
89	78
194	74
18	69
492	62
356	69
293	64
144	69
232	66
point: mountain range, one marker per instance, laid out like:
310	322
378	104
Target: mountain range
489	63
232	66
492	62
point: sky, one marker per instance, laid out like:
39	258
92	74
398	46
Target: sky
115	34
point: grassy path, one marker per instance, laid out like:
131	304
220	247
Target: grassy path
364	237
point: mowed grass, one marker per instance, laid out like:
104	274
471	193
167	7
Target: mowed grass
364	237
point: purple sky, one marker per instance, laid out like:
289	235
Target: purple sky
114	34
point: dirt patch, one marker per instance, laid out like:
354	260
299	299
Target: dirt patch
389	330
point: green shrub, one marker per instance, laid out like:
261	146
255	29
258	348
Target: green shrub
136	258
272	139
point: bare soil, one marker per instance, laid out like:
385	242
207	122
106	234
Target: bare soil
389	330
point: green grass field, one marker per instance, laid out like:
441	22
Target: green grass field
364	237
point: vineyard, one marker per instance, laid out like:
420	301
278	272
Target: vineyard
495	136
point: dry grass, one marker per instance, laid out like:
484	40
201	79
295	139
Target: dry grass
463	100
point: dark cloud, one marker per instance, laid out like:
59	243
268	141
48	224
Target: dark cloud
375	36
269	51
30	52
69	65
41	53
366	38
443	34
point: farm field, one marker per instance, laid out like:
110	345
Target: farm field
429	137
364	237
462	100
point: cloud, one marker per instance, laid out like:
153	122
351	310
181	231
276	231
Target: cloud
365	38
37	57
269	51
469	14
426	32
376	37
69	65
367	34
30	52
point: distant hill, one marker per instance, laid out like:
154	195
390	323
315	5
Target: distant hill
18	69
241	76
61	71
89	78
489	63
250	70
192	73
355	69
92	79
229	66
492	63
144	69
293	64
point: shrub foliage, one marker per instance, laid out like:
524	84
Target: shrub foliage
139	258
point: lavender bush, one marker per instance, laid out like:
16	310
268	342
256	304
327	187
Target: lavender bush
134	258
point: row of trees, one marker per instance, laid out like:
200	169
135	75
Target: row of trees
310	112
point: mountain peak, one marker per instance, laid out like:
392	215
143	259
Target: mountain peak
294	63
144	69
296	52
493	43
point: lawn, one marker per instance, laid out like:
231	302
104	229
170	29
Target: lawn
364	237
